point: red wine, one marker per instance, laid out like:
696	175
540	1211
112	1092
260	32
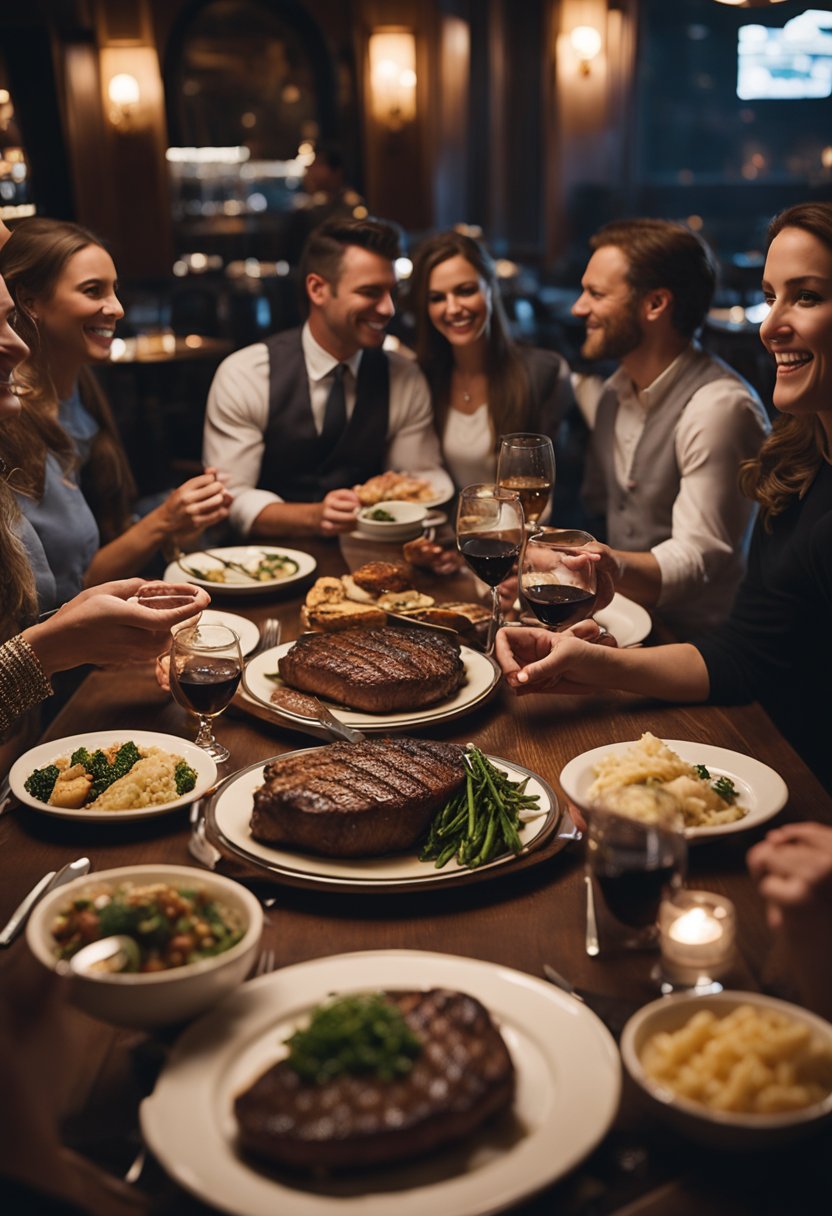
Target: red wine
206	688
633	896
557	603
490	559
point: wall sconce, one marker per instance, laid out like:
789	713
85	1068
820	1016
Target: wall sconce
124	94
586	43
393	77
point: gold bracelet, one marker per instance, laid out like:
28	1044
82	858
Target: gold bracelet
23	682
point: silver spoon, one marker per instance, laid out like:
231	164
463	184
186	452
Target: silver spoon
106	956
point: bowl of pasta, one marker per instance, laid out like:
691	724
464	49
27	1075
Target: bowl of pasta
735	1070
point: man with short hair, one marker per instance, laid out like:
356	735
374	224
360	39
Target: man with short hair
298	419
672	426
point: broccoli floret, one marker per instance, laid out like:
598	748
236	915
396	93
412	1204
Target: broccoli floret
81	756
185	778
724	786
41	782
702	772
103	773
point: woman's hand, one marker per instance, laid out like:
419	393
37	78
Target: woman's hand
109	626
607	574
536	660
426	555
196	505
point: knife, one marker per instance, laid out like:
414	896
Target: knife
49	882
614	1011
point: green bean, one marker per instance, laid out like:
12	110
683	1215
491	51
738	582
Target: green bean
482	820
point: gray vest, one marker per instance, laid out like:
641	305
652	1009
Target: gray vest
295	465
640	514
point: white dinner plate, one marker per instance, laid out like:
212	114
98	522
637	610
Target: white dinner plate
627	621
481	678
47	753
568	1085
246	630
235	583
762	791
229	812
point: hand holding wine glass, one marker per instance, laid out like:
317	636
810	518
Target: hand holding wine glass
558	578
489	533
205	669
526	465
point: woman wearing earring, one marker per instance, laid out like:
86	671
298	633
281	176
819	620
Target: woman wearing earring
776	646
484	384
68	468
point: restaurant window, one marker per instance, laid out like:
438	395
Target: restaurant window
705	150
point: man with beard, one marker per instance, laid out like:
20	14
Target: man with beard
672	427
298	419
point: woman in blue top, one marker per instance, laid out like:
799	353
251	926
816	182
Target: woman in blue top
69	470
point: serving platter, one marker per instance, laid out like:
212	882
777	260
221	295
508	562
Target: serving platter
568	1085
236	583
228	813
761	790
482	676
47	753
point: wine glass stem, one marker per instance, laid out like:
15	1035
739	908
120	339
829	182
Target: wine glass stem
205	736
494	623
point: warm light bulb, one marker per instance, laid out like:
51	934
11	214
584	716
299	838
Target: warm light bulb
123	90
586	41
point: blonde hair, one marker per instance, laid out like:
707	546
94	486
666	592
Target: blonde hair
788	461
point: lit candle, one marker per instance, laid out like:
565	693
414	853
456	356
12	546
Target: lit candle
697	936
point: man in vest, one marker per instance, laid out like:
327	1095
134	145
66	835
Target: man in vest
672	425
299	419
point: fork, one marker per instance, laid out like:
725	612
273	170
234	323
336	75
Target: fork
265	963
199	845
269	637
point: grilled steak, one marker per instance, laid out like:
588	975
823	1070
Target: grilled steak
356	799
378	670
462	1076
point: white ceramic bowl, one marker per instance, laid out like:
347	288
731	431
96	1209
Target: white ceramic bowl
407	521
159	998
716	1128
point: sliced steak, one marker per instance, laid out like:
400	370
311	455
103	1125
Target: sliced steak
378	670
356	799
462	1076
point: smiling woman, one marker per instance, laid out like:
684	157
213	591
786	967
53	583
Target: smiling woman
71	475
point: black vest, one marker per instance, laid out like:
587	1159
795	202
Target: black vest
294	465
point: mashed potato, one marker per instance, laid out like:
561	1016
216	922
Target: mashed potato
754	1061
651	762
150	782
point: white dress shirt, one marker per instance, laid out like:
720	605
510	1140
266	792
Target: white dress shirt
238	411
722	425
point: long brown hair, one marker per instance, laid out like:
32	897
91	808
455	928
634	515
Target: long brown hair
31	262
508	381
789	459
17	586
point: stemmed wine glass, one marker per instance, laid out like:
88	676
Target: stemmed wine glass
205	668
557	577
526	465
489	534
636	853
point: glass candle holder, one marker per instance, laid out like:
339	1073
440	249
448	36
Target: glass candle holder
697	938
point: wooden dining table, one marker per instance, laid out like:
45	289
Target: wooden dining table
525	914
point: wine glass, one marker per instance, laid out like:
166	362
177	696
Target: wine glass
636	853
526	465
489	535
557	577
205	668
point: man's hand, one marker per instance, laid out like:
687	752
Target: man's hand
339	511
